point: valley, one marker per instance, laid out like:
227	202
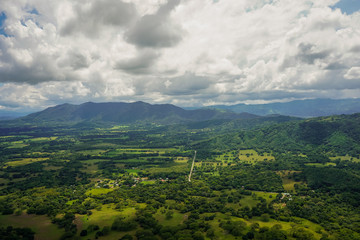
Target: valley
297	179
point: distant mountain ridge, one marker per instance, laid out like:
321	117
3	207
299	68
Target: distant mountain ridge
299	108
125	113
7	115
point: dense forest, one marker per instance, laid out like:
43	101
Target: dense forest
260	178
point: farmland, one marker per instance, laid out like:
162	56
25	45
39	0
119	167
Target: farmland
123	182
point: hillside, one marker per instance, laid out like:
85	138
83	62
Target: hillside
126	113
300	108
338	134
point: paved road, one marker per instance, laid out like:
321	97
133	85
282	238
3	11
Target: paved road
192	167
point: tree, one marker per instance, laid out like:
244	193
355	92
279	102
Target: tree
83	233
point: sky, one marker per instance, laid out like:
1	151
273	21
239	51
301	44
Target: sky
183	52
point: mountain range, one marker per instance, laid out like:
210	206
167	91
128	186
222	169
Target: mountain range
299	108
141	112
126	113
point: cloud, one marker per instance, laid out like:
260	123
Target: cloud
91	17
156	30
140	63
308	53
353	73
187	84
75	59
184	52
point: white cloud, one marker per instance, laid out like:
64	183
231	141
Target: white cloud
185	52
353	73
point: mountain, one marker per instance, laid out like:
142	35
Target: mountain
229	125
125	113
299	108
333	134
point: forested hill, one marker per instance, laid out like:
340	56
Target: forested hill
338	134
300	108
126	113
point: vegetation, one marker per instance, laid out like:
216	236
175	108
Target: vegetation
290	180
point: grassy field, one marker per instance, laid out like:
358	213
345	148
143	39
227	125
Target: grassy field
98	191
25	161
150	182
321	164
177	218
102	218
230	158
309	226
42	139
287	226
18	144
345	158
105	217
212	164
248	201
288	182
93	152
40	224
181	160
251	156
119	151
268	196
133	172
90	166
168	169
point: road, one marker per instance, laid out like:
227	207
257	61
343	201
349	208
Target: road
192	167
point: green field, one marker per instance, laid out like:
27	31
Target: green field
288	181
25	161
345	158
321	164
148	182
251	156
40	224
18	144
105	216
98	191
43	139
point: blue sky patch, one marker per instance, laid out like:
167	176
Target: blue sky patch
348	6
34	11
2	20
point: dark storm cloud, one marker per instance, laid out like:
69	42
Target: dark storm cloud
102	12
187	84
335	66
78	61
34	74
156	30
355	49
139	64
75	60
309	55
